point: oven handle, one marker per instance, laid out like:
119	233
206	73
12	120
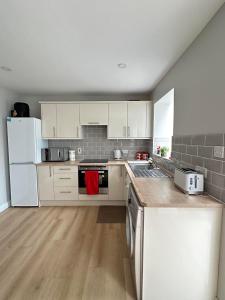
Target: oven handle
99	172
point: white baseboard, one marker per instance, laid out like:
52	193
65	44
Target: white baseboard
4	206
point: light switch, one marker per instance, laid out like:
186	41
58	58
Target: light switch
219	151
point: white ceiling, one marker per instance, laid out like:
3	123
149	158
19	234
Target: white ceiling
74	46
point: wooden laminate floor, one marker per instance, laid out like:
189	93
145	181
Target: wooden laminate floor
62	253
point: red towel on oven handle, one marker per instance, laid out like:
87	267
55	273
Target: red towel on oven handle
92	182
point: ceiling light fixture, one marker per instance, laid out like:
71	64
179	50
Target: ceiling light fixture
4	68
122	65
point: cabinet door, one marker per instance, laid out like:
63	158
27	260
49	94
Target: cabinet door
149	119
139	119
48	120
68	121
45	183
116	182
117	127
127	182
94	114
136	119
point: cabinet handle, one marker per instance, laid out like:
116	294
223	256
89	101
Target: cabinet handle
77	131
121	171
64	169
54	131
65	178
92	123
66	192
124	131
128	130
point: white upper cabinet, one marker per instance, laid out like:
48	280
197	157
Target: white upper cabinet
48	120
117	127
125	119
138	119
68	125
94	113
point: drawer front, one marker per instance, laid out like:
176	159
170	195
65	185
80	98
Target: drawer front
66	193
66	179
65	169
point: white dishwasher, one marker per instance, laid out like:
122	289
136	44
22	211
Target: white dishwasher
134	233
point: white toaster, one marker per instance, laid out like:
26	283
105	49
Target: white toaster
189	181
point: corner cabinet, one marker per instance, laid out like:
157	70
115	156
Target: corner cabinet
139	119
130	120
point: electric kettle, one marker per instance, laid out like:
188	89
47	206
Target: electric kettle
117	154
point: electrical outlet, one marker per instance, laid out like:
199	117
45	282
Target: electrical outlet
202	170
219	151
79	150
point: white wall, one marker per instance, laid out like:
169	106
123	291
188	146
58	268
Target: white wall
199	82
7	99
164	115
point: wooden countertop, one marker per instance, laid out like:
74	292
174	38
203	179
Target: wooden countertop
161	192
78	163
155	192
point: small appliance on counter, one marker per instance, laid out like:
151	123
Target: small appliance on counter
54	154
189	181
117	154
72	156
21	110
142	156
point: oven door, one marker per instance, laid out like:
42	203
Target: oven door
102	179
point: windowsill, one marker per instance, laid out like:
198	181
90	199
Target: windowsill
162	157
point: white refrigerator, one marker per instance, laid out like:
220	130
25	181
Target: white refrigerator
24	144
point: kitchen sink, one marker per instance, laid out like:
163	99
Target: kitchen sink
145	169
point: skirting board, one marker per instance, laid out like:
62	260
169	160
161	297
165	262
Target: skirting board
82	203
4	206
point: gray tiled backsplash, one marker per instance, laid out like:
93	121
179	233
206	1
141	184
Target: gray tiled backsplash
197	150
96	145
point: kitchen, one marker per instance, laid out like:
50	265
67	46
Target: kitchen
95	202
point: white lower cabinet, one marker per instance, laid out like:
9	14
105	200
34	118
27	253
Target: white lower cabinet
126	185
66	193
57	183
181	253
45	183
116	182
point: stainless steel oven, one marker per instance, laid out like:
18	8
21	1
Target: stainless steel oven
102	178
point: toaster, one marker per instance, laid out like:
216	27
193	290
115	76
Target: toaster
189	181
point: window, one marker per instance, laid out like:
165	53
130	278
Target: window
163	125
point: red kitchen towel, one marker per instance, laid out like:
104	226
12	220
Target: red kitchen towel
91	182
